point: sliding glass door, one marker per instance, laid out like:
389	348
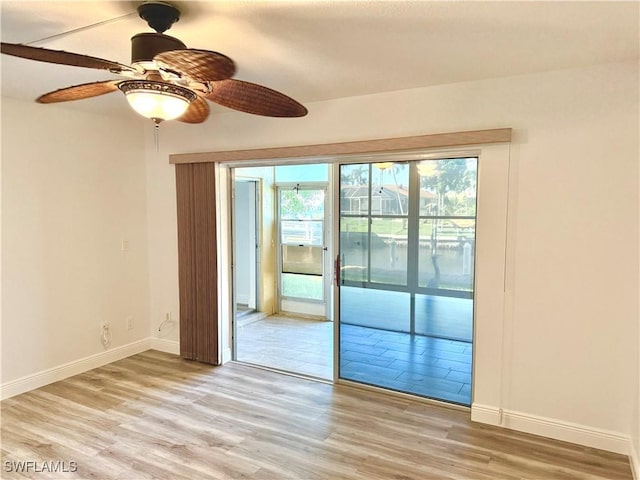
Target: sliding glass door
406	248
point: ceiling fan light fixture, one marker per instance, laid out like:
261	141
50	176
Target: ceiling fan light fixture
158	101
383	165
427	169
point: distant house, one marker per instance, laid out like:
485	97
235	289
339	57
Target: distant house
385	200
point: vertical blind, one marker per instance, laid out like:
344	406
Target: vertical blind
197	262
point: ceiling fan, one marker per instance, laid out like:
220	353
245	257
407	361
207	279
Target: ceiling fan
166	80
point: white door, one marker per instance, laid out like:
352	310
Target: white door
302	252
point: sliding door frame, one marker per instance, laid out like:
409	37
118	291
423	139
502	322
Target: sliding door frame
494	233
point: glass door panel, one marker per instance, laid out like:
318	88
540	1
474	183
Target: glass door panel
406	253
354	249
389	250
446	254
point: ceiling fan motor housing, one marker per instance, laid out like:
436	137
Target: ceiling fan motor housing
159	15
145	46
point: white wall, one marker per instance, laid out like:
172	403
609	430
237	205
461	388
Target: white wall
73	187
572	326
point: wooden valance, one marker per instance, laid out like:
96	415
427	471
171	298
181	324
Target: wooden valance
438	140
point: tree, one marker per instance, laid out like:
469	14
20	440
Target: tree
396	168
442	177
359	174
302	204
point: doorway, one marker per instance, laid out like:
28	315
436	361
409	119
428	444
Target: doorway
292	329
302	248
405	244
246	235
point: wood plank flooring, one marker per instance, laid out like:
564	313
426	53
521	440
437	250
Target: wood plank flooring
154	415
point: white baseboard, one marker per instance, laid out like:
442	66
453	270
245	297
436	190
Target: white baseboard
634	460
163	345
485	414
553	428
45	377
568	432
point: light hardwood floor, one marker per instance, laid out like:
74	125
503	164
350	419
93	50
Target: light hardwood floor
156	416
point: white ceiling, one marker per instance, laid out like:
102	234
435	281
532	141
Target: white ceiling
319	50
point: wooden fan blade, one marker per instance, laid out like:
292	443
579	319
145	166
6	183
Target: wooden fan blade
61	57
78	92
252	98
197	112
199	65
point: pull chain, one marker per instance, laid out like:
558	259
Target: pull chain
156	135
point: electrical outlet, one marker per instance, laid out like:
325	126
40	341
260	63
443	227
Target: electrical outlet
129	323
